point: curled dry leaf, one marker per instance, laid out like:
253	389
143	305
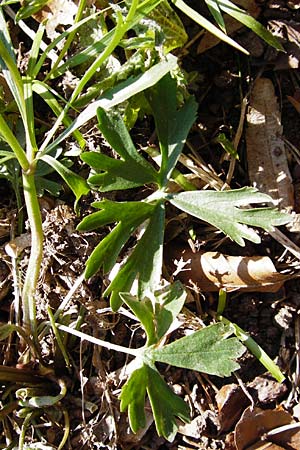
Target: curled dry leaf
253	425
266	155
211	271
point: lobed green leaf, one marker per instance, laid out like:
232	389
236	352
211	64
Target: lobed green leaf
207	350
221	210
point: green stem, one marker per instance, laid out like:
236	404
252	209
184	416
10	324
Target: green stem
255	349
35	259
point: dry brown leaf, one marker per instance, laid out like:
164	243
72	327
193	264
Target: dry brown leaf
231	401
289	34
255	422
267	162
295	102
209	40
213	270
57	12
287	436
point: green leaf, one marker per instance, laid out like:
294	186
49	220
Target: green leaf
227	145
30	7
166	405
133	397
207	350
221	210
242	16
44	91
203	22
174	34
129	216
76	183
157	317
213	6
172	125
119	94
132	171
145	262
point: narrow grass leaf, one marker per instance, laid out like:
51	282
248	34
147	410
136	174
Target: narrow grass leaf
119	94
203	22
242	16
44	91
9	66
213	6
35	49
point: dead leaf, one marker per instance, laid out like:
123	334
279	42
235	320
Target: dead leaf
209	40
57	12
267	162
255	422
16	246
213	270
231	401
289	34
287	436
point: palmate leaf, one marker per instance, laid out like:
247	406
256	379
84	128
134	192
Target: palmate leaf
208	350
145	262
221	209
128	215
172	125
131	171
166	405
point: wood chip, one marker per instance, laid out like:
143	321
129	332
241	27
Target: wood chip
267	161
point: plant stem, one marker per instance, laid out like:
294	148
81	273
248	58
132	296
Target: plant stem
109	345
35	259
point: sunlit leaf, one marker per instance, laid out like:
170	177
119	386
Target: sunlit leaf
157	317
120	93
131	171
75	182
166	405
242	16
172	124
128	215
208	350
145	262
221	209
